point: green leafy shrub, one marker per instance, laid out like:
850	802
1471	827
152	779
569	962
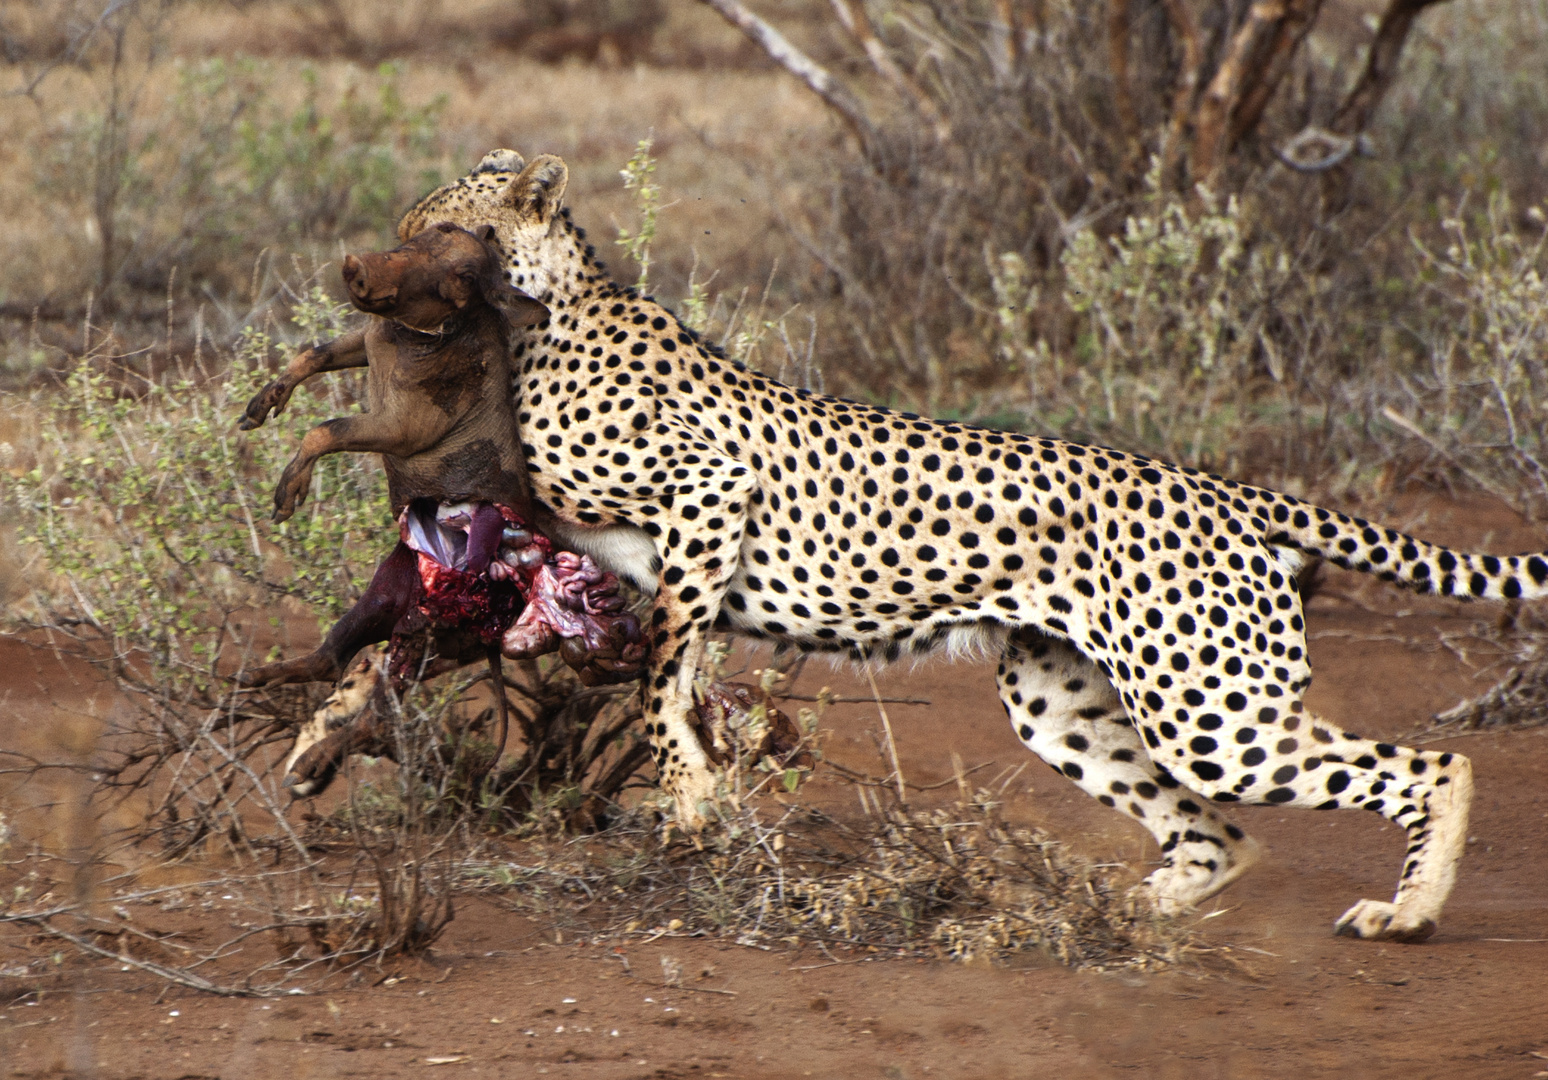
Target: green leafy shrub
1172	344
150	510
1481	408
147	513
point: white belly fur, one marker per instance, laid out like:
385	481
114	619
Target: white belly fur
623	549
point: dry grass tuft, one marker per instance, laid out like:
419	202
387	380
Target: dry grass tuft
958	883
1518	700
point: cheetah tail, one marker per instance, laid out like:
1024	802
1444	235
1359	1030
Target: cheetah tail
1393	556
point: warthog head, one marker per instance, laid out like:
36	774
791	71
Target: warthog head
428	280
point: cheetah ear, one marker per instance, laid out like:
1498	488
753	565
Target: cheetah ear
539	191
499	161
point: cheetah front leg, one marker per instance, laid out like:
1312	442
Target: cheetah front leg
1067	713
699	544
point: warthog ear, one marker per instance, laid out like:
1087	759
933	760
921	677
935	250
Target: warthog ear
519	308
539	191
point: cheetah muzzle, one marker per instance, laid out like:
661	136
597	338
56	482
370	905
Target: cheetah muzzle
1148	616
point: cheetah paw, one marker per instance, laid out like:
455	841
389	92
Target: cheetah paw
1179	888
1380	920
693	792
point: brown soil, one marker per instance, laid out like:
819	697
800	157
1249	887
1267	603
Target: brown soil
501	997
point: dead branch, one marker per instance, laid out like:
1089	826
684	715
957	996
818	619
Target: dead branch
852	16
1118	61
839	700
171	974
1299	18
817	78
1186	31
1220	96
1006	32
865	779
612	781
1316	149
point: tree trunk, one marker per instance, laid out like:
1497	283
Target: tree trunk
1381	66
1256	59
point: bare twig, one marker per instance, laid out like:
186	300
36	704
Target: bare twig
852	16
694	989
855	700
892	746
76	48
864	779
171	974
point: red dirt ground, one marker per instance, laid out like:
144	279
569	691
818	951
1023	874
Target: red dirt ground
500	998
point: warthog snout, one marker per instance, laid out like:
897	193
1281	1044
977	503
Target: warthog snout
372	281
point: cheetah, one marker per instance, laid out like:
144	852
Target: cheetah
1152	646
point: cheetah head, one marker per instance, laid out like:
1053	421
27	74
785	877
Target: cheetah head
524	205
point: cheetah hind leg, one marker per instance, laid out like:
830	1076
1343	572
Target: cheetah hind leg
1201	855
1437	834
1066	711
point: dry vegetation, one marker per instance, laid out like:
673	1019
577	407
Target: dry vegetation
1023	214
956	883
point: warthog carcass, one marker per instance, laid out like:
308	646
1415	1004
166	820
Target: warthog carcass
469	578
